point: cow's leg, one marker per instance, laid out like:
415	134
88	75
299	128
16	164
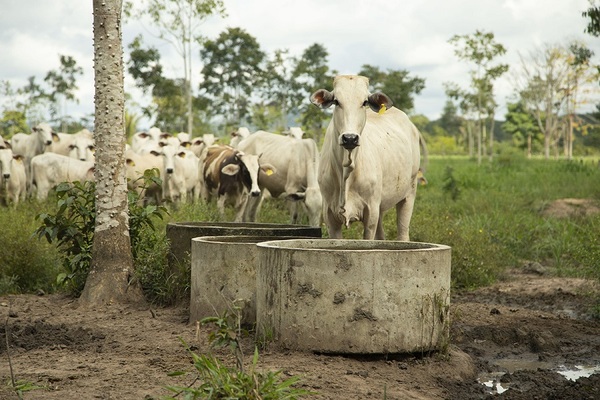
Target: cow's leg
221	204
240	205
334	226
250	208
293	207
380	234
404	210
370	222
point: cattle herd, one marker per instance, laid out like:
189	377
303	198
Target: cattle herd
370	162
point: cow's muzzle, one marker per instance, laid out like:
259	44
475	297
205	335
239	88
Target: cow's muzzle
349	140
6	176
169	170
255	194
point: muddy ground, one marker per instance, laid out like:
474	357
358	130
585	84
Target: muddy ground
518	333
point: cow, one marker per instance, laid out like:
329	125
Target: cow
141	139
135	166
30	145
293	173
369	161
4	144
180	173
239	135
197	145
12	177
50	169
295	132
229	175
64	143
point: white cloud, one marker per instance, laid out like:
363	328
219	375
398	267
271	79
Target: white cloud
409	34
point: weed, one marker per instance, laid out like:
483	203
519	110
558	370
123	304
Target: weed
218	381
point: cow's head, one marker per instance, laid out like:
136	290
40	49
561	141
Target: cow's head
45	134
82	149
6	159
247	166
351	97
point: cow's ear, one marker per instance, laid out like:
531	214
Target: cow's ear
185	144
55	137
268	169
322	98
377	102
130	162
230	169
155	153
181	154
18	157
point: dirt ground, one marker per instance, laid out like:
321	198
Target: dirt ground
518	333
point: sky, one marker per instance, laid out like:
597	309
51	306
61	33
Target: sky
407	35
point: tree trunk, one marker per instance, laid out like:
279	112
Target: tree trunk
111	270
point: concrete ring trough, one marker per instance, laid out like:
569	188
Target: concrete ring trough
223	276
353	296
180	234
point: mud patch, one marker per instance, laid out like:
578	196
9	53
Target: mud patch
568	208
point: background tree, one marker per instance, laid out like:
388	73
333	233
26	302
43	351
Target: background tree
540	84
451	122
467	104
592	14
481	49
312	73
395	83
111	268
278	88
62	84
579	78
13	119
522	127
231	73
178	22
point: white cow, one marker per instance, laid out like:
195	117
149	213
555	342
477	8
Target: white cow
197	145
50	169
295	132
239	135
12	177
293	174
136	165
369	161
180	173
30	145
142	139
63	143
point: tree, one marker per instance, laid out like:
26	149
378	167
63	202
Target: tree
111	268
63	84
593	18
178	23
481	49
312	73
522	126
451	122
395	83
540	84
467	103
278	88
580	76
231	73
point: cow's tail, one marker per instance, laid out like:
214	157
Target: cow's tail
424	154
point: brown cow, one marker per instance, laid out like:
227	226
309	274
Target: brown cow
230	175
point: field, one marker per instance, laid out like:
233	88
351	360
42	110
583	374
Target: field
525	304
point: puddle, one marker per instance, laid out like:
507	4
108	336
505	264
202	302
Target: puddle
492	380
579	371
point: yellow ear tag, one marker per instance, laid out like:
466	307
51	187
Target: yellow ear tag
382	109
269	172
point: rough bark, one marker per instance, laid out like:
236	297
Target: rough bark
111	270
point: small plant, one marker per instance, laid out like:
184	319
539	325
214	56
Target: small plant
221	382
451	184
72	228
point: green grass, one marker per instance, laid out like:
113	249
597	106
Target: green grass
489	214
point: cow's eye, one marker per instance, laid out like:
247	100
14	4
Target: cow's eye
335	102
365	103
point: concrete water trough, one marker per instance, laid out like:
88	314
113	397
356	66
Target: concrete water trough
353	296
223	276
180	234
